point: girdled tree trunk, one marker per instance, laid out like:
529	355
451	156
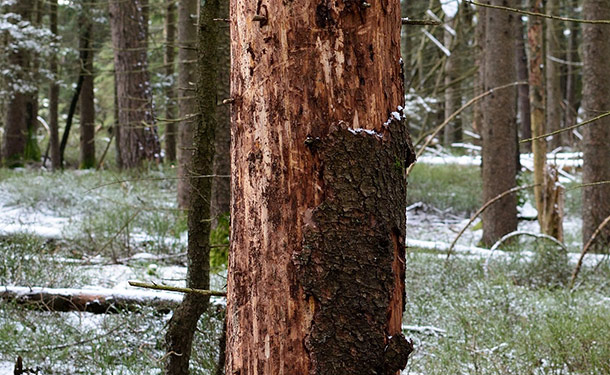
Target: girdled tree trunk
317	261
499	126
221	189
596	136
87	105
187	40
170	92
138	136
183	324
54	95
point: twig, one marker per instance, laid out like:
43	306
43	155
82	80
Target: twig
586	249
483	208
63	346
568	128
535	14
406	21
156	179
177	289
454	114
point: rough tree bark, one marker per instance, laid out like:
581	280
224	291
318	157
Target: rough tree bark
499	125
221	189
317	261
138	136
54	95
596	136
187	106
182	326
16	127
552	72
170	92
87	104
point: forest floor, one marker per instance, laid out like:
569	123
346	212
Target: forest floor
510	313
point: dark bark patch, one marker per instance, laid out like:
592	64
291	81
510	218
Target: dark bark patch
347	265
323	15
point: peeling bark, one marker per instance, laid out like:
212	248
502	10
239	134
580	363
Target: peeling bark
316	267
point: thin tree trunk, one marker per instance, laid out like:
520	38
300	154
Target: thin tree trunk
221	189
170	92
596	136
138	136
523	90
87	105
553	76
453	130
187	37
183	324
479	79
54	96
499	125
572	75
316	267
536	83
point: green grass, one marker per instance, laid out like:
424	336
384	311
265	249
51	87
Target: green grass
446	187
504	326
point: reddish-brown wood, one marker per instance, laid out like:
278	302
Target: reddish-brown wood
316	268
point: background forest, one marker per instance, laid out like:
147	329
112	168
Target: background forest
115	154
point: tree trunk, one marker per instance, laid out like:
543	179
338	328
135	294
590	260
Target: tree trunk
54	95
453	130
553	76
138	136
523	90
573	75
87	105
317	261
16	127
187	106
479	79
596	136
183	324
499	126
170	92
221	189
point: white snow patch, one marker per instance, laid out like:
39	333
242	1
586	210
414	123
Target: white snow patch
450	7
367	131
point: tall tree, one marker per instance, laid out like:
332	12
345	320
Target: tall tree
499	126
138	138
54	95
170	92
221	189
19	108
523	98
183	323
187	55
596	136
453	130
87	104
479	78
552	72
316	267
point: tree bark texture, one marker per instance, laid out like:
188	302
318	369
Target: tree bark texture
16	127
54	95
499	125
552	71
573	74
138	135
317	261
187	105
87	104
596	136
523	90
170	91
221	189
183	324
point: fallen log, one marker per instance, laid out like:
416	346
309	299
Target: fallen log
97	301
